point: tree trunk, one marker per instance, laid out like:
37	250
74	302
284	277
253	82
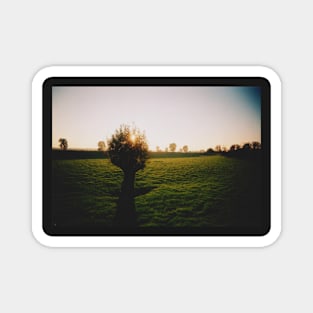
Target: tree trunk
128	185
126	213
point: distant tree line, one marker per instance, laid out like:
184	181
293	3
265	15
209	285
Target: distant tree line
172	148
235	149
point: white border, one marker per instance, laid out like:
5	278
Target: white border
156	241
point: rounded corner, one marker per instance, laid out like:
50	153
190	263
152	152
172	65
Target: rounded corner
270	75
42	237
42	75
271	237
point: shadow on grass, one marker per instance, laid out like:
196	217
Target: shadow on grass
143	190
137	192
126	215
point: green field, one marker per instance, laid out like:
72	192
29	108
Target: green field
198	191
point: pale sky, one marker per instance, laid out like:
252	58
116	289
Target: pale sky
200	117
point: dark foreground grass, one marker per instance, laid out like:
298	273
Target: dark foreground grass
203	191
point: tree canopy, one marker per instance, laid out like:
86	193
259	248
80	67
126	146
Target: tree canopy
128	148
172	147
63	144
101	146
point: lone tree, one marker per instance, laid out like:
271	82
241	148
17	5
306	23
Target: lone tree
63	144
185	148
128	149
172	147
101	146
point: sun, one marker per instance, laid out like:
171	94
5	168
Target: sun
133	137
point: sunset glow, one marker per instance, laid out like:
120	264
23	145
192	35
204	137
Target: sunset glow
200	117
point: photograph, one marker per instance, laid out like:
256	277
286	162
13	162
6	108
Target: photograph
157	160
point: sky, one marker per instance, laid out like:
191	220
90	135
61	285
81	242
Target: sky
199	117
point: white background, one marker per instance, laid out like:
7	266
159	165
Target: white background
34	34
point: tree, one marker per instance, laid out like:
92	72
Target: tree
101	146
210	151
234	147
256	145
158	149
128	150
63	144
218	148
172	147
246	146
185	148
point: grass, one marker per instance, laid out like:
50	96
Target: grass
202	191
